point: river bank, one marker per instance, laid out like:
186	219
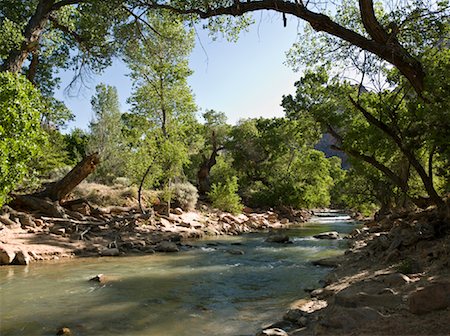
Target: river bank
119	231
393	280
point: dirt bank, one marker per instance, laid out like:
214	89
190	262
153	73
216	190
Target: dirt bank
393	280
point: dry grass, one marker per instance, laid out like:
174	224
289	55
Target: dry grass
117	195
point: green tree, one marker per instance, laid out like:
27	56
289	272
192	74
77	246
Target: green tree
20	134
106	134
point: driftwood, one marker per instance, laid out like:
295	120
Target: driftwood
45	206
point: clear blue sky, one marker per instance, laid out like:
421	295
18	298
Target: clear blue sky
245	79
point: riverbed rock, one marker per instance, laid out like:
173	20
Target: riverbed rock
101	278
327	235
7	256
432	297
236	252
167	246
272	332
21	258
278	238
327	262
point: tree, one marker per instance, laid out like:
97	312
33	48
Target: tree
20	134
382	129
215	131
159	65
384	41
106	134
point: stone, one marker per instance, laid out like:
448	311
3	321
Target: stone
432	297
110	252
349	298
284	221
98	278
393	279
326	262
309	305
295	315
6	256
21	258
64	331
349	318
273	332
178	211
321	293
236	252
327	235
58	231
167	246
278	238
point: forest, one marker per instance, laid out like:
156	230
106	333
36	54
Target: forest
391	127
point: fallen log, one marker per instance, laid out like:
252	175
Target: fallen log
59	190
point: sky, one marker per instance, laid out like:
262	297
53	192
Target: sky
243	79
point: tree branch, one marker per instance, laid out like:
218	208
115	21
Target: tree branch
389	50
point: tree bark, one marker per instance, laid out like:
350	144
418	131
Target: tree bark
204	171
59	190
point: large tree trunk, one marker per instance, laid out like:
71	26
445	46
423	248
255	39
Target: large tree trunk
204	184
32	34
59	190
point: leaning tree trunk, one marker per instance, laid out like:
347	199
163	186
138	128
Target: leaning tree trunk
59	190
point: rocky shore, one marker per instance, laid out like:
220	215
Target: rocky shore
393	280
115	231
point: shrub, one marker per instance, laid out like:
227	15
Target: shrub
185	194
225	197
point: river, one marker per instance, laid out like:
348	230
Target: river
204	290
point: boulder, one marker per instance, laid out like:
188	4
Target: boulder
167	246
432	297
21	258
352	299
110	252
273	332
6	256
349	318
327	235
278	238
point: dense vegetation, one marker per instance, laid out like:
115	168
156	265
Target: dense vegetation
392	121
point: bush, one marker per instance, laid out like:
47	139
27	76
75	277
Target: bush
225	197
185	194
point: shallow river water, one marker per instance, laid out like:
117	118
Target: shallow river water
204	290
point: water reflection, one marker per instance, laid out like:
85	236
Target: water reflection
203	291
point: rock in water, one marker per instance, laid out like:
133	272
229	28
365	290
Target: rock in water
327	235
21	258
64	331
279	238
167	246
273	332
